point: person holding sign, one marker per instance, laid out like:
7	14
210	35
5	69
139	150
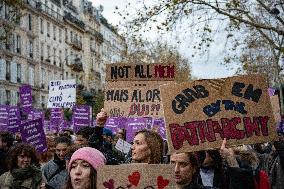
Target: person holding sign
24	171
82	168
147	147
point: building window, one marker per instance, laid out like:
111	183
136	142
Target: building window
42	101
18	44
60	35
19	73
41	26
32	75
66	56
54	56
8	70
71	35
17	98
60	58
47	28
41	51
31	49
66	75
42	78
48	53
8	97
30	21
54	32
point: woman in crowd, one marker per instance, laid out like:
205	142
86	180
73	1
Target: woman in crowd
24	171
82	168
147	147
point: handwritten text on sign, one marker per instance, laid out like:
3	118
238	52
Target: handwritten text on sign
202	113
62	94
139	72
134	99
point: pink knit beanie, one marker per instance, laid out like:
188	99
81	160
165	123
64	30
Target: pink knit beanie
91	155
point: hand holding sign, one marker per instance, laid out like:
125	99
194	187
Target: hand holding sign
228	154
101	118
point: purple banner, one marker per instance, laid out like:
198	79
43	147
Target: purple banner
26	98
14	119
81	116
134	125
64	125
113	123
32	133
4	117
159	126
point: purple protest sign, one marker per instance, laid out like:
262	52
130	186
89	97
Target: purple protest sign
32	133
35	114
149	122
134	125
14	119
159	126
4	117
56	118
81	116
26	98
64	125
112	123
271	91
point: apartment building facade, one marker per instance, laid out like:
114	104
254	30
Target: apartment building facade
52	40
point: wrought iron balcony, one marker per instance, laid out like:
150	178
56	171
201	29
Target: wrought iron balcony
69	17
76	65
76	43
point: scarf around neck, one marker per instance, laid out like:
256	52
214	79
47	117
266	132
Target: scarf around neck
21	174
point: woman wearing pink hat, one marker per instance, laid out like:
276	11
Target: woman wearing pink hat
82	168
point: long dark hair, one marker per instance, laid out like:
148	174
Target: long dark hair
17	150
155	143
93	180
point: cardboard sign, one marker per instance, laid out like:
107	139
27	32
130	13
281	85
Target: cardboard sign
123	146
62	94
142	176
32	132
134	99
276	108
201	113
140	72
26	98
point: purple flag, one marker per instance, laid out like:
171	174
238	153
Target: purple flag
4	117
32	133
134	125
81	116
26	98
14	119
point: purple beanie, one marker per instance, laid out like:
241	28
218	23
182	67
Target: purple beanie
91	155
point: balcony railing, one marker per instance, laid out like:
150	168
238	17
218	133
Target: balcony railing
42	7
76	43
69	17
76	65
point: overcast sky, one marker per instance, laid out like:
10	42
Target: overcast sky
202	67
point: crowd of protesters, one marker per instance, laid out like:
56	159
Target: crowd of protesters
72	160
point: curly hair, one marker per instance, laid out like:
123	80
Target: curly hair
17	150
155	143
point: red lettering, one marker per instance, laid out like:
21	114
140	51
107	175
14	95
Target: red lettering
251	127
264	125
177	135
192	126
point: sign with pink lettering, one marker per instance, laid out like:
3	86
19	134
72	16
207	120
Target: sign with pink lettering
200	114
143	176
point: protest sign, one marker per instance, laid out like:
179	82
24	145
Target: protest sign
26	98
62	94
114	124
140	72
143	176
159	126
276	108
32	132
4	117
201	113
123	146
14	119
81	116
133	125
134	99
